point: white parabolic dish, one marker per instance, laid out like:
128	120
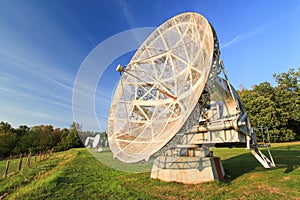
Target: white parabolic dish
160	87
96	141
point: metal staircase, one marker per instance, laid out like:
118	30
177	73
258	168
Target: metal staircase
267	162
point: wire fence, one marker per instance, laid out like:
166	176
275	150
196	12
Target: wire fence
17	163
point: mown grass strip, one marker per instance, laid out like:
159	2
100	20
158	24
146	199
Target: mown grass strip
18	182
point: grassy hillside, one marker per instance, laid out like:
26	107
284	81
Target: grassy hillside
77	174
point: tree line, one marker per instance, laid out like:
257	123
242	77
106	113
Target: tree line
26	139
276	107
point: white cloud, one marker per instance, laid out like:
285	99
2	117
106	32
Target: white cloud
60	83
43	115
127	13
231	42
30	97
242	37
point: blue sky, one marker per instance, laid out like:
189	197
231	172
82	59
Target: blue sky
43	44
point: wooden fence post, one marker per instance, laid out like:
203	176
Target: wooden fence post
20	162
28	159
6	169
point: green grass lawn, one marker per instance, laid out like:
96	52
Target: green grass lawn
77	174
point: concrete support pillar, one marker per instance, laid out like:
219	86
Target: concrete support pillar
188	170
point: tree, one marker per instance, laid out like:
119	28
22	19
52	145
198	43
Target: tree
38	138
289	81
288	98
73	139
63	144
8	139
276	107
5	127
261	109
27	142
76	126
56	136
44	139
22	130
70	137
7	143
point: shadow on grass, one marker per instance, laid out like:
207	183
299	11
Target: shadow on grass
288	158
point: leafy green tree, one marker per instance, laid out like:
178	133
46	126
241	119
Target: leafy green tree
70	137
27	142
56	136
7	143
275	107
73	139
63	144
289	81
37	138
76	126
22	130
288	98
261	109
73	136
5	127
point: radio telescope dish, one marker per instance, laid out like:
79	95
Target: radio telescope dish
87	141
92	142
96	141
171	105
160	87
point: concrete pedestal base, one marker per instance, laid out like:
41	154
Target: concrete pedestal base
189	170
